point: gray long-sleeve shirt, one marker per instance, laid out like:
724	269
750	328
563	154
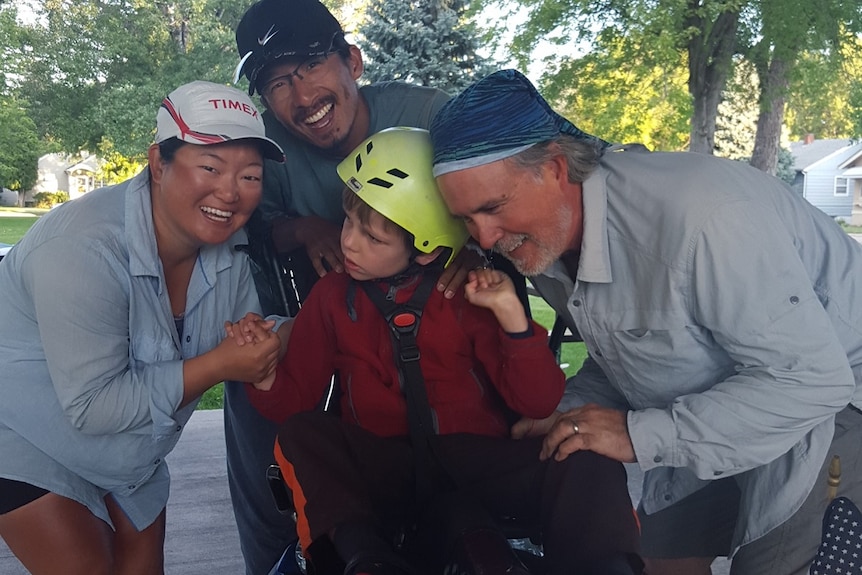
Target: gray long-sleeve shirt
90	357
723	311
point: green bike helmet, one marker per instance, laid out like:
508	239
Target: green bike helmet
391	172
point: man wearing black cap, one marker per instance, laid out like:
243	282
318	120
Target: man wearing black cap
294	54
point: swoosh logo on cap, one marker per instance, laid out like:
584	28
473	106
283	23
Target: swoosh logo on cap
268	36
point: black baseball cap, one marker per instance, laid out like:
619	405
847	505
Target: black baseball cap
273	29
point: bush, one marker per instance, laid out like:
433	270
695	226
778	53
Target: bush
48	199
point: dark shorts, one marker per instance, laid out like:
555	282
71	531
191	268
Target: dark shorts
15	494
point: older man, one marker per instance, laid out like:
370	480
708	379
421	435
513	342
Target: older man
719	309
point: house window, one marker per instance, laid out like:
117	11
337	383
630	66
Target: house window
842	187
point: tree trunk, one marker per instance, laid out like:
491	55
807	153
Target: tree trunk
773	93
709	60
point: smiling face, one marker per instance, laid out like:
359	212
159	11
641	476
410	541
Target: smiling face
204	194
318	100
373	249
531	218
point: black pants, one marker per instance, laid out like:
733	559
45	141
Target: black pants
341	474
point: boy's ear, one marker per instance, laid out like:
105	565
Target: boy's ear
425	259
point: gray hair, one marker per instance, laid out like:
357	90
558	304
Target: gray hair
582	156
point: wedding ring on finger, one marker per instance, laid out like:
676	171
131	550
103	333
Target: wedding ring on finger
575	427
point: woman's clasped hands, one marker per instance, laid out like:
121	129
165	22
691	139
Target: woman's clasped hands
253	349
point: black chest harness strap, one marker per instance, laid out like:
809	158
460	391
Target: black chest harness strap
403	320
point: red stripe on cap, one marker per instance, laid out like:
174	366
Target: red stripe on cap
185	130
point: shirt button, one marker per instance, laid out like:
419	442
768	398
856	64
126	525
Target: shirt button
598	353
131	487
576	303
717	473
794	300
179	428
667	497
157	461
657	459
188	338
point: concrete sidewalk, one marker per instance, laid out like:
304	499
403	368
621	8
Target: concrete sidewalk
201	533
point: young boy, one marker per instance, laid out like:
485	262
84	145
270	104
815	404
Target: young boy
357	478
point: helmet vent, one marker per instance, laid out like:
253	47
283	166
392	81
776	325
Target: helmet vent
358	162
397	173
381	183
369	147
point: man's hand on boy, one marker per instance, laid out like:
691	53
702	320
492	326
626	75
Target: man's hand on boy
322	241
494	290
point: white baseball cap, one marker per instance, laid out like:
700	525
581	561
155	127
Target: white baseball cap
206	113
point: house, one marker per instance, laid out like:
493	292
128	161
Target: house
829	176
74	174
8	198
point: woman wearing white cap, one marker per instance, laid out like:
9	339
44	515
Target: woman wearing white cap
111	328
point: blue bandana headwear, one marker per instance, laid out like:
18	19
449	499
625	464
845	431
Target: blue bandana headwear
497	117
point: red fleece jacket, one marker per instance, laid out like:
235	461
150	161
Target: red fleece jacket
469	365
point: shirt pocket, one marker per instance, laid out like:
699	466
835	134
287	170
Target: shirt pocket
655	366
151	347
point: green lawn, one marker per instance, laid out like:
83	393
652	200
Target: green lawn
12	228
573	354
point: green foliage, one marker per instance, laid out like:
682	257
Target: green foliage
855	109
823	91
116	167
785	169
425	42
50	199
213	398
19	147
97	71
770	34
623	94
736	124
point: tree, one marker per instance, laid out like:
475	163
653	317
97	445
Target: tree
771	34
820	95
19	148
425	42
623	94
704	30
736	125
98	69
778	33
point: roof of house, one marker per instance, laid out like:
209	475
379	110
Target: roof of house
804	155
87	165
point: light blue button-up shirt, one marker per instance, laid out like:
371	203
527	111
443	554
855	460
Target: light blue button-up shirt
91	362
724	312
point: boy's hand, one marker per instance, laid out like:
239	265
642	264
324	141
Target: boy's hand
455	274
266	383
249	329
494	290
528	427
